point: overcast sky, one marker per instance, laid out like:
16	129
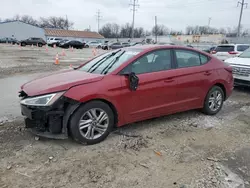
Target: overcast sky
175	14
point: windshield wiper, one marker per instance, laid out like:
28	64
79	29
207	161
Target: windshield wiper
98	63
111	64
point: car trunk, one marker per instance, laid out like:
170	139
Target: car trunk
224	52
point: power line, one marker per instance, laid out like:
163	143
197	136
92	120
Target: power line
242	3
134	6
98	17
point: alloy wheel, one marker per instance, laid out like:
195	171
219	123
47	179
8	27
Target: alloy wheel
94	123
215	100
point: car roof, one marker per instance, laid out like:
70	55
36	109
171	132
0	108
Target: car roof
232	44
147	48
153	46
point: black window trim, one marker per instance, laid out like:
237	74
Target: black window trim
172	61
183	49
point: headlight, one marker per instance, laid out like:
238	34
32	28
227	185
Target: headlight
44	100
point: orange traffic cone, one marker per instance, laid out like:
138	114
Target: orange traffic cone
70	66
93	51
46	48
72	49
32	46
63	53
57	59
54	46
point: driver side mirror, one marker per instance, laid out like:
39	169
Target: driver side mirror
133	81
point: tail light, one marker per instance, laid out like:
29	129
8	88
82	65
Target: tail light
233	53
213	52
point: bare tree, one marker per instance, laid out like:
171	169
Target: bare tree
14	18
106	30
139	32
126	31
222	31
55	22
115	30
28	19
246	32
160	30
148	33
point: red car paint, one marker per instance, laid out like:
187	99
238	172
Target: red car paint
159	93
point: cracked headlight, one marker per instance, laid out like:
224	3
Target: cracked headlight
44	100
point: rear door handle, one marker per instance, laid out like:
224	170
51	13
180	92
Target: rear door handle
207	73
168	80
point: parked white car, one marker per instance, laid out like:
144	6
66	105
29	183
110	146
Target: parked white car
52	41
226	51
241	68
93	44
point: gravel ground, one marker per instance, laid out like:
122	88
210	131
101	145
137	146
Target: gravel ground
185	150
15	59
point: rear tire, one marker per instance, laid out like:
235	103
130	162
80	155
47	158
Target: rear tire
214	101
23	44
40	45
92	123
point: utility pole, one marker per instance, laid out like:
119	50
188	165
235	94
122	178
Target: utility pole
134	6
156	29
209	21
67	22
208	26
242	3
98	16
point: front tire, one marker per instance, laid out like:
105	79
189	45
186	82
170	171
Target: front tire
92	123
214	101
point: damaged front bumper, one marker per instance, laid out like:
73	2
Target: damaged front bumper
50	121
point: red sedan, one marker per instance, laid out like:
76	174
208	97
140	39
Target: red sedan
124	86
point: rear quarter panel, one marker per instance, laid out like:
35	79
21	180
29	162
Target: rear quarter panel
222	77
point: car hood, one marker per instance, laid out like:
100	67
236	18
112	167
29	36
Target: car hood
58	81
239	61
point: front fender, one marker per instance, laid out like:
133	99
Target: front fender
85	93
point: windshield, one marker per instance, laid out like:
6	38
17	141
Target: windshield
108	62
245	54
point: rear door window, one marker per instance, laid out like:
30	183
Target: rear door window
226	48
204	59
187	58
242	48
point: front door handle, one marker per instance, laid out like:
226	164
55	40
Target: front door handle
207	73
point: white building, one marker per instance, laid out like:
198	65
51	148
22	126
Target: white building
21	31
84	36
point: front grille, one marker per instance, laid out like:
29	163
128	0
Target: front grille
241	82
242	71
